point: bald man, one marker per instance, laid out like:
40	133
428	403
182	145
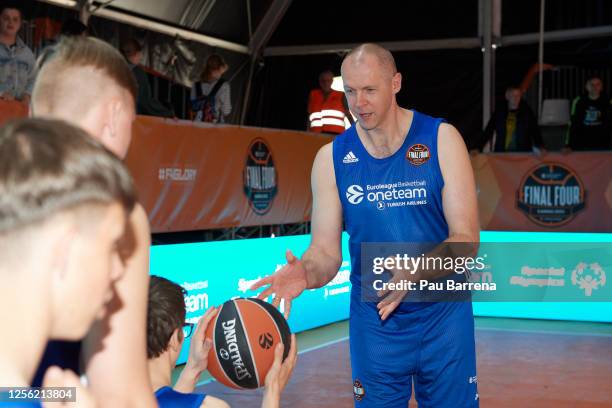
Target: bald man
399	154
88	83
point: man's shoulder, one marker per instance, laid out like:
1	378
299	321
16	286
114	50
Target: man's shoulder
315	92
139	72
421	118
345	136
580	99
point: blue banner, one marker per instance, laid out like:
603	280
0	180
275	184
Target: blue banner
214	272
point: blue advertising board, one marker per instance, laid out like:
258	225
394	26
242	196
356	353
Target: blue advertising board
214	272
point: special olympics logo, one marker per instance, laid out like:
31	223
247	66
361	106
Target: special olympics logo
588	277
551	194
354	194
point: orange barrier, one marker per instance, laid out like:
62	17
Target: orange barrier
193	176
521	192
12	110
196	176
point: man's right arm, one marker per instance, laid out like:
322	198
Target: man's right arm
324	256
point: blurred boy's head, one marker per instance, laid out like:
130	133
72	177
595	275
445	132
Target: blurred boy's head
88	83
64	201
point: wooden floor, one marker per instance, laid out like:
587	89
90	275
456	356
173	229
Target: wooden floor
515	369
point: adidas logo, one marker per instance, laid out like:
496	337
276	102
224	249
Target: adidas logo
350	158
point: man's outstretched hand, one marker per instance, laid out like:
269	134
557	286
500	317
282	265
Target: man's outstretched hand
286	284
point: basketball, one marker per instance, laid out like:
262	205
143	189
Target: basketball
244	334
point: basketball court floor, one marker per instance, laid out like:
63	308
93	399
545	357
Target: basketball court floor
521	363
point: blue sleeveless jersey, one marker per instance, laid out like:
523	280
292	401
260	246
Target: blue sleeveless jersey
394	199
168	398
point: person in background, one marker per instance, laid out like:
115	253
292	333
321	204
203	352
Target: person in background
71	28
327	108
146	104
590	119
512	128
210	96
17	63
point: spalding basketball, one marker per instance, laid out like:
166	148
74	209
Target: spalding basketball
244	334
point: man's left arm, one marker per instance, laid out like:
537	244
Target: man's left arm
460	208
115	349
459	200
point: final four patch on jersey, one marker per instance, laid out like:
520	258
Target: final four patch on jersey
358	390
418	154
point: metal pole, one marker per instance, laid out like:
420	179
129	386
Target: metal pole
249	18
541	59
487	60
247	92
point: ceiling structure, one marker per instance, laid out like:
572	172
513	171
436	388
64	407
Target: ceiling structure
316	26
260	29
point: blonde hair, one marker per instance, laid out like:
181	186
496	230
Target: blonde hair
55	83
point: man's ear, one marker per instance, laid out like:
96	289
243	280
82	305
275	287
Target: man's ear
110	121
397	82
62	249
105	123
115	107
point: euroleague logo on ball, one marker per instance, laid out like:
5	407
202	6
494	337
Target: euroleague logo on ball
259	177
418	154
224	354
266	341
551	195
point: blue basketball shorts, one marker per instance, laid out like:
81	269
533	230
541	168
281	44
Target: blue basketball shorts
430	344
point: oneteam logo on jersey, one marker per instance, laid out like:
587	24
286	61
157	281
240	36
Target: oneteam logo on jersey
354	194
350	158
389	195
